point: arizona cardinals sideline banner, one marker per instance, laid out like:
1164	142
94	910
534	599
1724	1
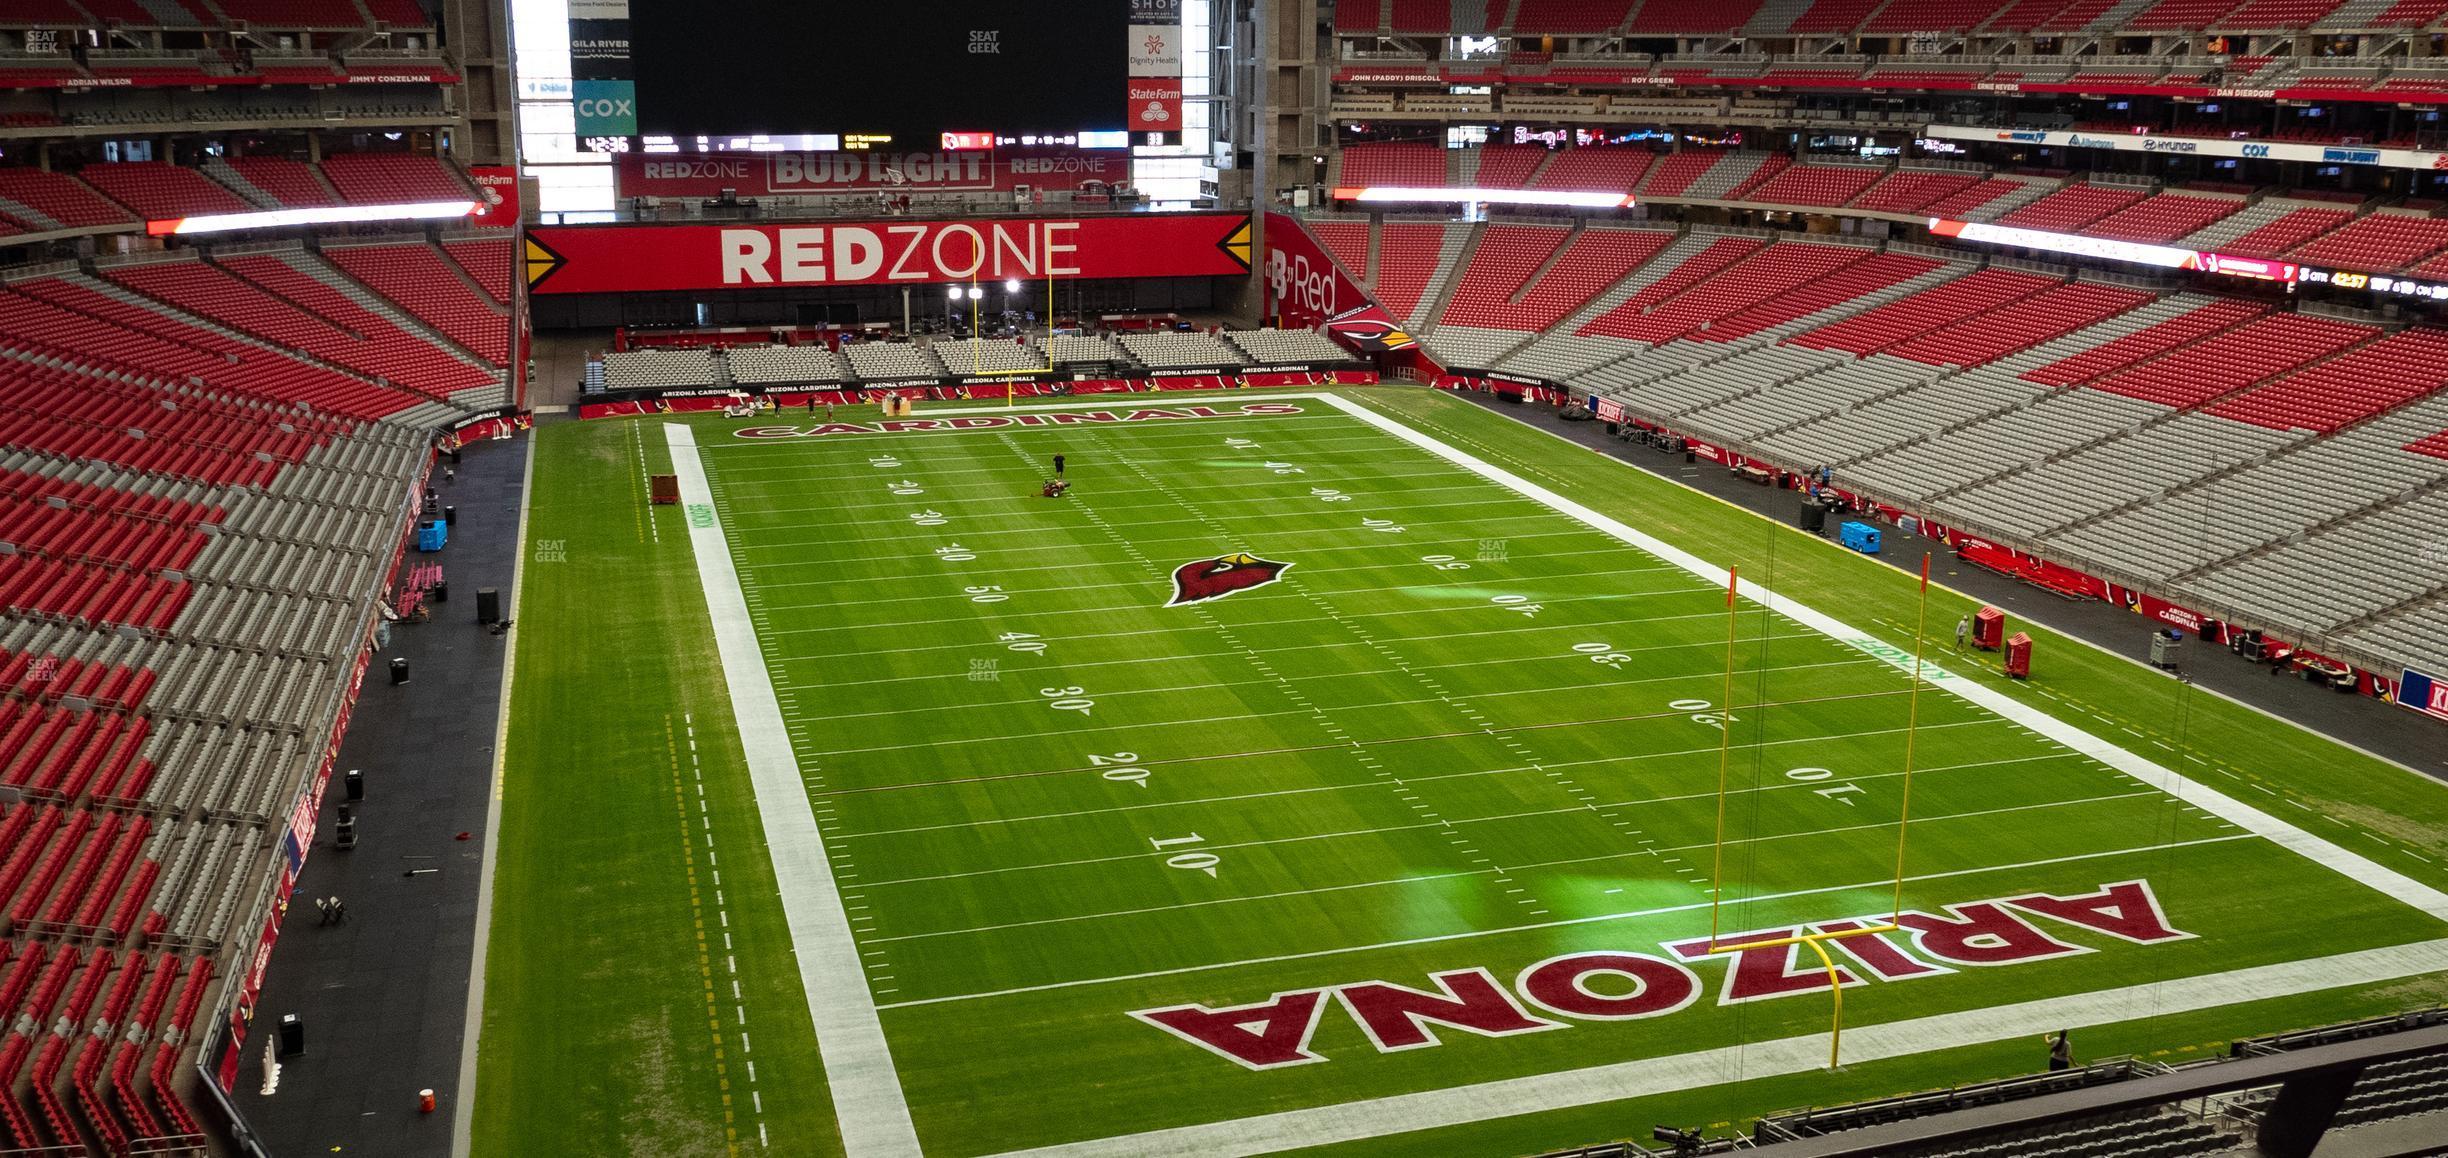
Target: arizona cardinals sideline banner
585	259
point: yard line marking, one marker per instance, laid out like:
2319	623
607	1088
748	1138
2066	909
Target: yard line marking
1607	682
936	598
1021	500
1071	666
1568	922
1668	715
794	472
1254	597
1312	419
1807	1053
2345	862
1286	623
1508	632
957	781
1500	871
869	1105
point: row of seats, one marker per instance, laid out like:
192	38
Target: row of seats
128	192
1837	17
269	298
202	472
2382	241
2102	425
420	278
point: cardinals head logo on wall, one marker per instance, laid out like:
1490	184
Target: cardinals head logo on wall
1205	579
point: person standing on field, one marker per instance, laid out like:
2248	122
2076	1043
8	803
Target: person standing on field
1963	627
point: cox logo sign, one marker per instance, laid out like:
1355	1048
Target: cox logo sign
2256	150
605	108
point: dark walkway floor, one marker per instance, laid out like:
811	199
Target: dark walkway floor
384	996
2384	729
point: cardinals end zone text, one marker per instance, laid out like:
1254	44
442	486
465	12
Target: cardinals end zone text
1006	421
1613	985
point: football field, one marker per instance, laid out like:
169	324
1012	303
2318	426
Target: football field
1324	769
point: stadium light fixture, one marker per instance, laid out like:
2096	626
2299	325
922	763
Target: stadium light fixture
319	215
956	293
1011	285
1574	198
2136	253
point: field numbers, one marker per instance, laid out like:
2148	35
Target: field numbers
1836	792
1067	699
929	518
1445	562
1121	768
884	462
1284	468
905	487
1022	641
1197	862
1328	495
990	593
1517	603
955	554
1382	526
1701	713
1603	654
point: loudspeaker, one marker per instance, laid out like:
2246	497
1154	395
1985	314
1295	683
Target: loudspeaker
354	783
1812	517
488	605
292	1035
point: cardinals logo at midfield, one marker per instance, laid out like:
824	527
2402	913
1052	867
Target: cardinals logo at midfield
1205	579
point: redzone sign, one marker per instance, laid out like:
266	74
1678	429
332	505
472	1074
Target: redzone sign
638	258
1620	985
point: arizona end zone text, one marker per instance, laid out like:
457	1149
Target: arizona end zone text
1004	421
1614	985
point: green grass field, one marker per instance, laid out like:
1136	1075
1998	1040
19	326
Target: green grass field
1429	806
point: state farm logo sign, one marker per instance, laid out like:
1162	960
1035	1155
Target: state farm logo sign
1155	104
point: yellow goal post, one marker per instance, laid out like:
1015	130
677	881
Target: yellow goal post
1815	939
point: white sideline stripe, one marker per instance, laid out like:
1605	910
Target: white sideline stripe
463	1112
1539	1093
868	1101
2351	865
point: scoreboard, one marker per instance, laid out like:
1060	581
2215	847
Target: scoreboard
885	75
